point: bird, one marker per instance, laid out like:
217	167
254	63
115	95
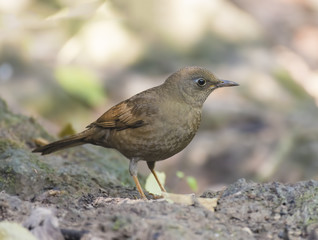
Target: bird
152	125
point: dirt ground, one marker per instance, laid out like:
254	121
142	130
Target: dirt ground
245	210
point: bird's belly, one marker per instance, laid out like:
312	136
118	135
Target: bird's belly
151	144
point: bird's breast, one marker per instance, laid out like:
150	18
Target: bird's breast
164	135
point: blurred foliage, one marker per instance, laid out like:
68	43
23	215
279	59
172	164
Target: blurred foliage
191	181
80	83
193	184
286	80
180	174
152	185
67	130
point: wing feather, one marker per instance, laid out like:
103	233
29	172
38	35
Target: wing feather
131	113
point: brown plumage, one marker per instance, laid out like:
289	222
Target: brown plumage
152	125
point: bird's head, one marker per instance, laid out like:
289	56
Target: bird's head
194	84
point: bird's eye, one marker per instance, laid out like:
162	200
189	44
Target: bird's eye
200	81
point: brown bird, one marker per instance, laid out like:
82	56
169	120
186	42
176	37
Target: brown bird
152	125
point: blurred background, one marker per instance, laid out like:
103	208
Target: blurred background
65	62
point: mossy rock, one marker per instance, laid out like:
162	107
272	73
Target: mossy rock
75	171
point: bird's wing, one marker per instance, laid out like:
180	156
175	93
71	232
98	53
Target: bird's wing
131	113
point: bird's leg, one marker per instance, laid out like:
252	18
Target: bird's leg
151	166
133	172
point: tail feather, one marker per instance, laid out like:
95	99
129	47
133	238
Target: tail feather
68	142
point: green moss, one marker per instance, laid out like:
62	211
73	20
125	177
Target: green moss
76	171
7	179
8	145
42	166
308	202
120	223
3	107
286	80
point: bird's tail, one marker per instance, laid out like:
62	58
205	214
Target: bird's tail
72	141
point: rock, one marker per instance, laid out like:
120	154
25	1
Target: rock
14	231
271	209
75	171
43	224
82	183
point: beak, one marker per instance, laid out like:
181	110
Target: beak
226	83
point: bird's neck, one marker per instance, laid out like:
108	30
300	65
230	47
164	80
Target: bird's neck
173	93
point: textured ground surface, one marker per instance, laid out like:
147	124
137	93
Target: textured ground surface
91	194
244	211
